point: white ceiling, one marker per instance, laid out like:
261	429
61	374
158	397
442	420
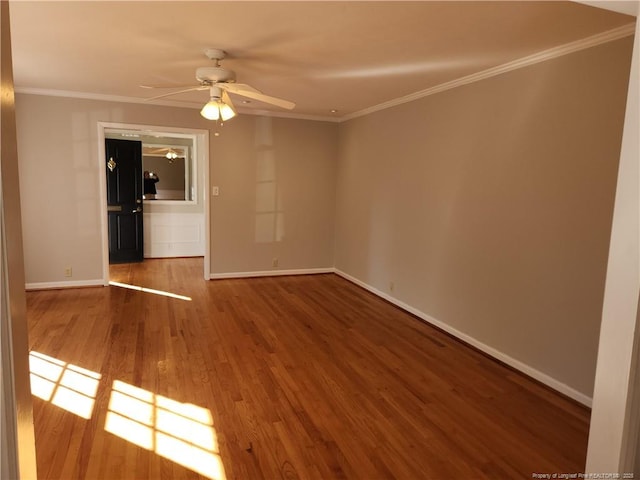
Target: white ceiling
349	56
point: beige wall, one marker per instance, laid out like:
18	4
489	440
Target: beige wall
57	142
277	194
489	206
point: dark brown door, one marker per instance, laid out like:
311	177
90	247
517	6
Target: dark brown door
124	200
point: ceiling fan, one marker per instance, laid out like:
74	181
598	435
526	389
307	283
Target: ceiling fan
220	82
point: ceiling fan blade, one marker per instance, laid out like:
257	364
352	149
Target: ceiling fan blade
238	87
167	86
261	97
250	92
177	92
226	99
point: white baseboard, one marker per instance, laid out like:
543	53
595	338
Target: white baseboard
67	284
270	273
498	355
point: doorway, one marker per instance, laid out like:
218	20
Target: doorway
195	201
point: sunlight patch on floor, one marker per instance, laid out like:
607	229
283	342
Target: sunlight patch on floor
180	432
149	290
67	386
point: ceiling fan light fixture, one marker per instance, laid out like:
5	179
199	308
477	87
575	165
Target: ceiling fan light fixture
226	111
221	82
211	111
216	109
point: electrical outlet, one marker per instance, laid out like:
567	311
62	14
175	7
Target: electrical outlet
274	262
68	272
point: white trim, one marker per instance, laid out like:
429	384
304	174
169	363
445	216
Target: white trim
628	7
58	285
512	362
551	53
202	145
592	41
295	116
613	429
270	273
102	191
49	92
164	103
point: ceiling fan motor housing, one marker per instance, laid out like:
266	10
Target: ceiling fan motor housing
215	75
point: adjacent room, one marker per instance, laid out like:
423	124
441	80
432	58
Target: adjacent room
320	239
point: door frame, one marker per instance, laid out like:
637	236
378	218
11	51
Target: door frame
201	156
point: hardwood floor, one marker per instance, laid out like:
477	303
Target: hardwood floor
281	377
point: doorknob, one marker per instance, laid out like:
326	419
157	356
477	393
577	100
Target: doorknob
137	210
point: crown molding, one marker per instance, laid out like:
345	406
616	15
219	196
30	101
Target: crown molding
164	103
627	7
295	116
555	52
99	96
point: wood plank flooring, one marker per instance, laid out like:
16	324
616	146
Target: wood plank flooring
306	377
